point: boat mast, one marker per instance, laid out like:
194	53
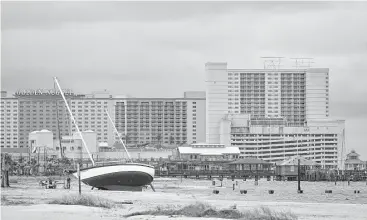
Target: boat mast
58	125
118	134
73	119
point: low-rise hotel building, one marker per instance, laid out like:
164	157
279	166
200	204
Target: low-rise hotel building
140	121
319	141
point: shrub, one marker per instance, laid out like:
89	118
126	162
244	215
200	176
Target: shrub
85	200
264	213
204	210
5	201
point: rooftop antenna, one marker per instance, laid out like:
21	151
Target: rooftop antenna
73	119
118	134
272	62
302	62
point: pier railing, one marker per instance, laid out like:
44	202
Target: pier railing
214	173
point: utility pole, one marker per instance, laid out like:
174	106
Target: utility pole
256	176
44	159
181	171
38	160
299	176
29	153
79	182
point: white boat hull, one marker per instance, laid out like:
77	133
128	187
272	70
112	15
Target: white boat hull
117	176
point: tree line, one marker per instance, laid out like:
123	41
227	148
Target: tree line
30	166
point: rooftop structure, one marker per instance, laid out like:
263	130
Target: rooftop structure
194	94
293	161
250	160
288	169
4	94
354	163
250	164
40	139
208	152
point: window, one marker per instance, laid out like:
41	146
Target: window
292	168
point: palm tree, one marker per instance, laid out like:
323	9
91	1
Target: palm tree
159	139
5	166
127	138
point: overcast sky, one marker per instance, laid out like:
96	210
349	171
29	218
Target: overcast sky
149	49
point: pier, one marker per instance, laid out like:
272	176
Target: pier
238	174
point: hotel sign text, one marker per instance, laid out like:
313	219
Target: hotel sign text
26	92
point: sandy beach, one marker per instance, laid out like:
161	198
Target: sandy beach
342	203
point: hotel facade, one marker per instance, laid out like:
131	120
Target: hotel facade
273	114
163	121
9	135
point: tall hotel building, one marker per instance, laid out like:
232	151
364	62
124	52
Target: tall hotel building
9	135
138	120
273	113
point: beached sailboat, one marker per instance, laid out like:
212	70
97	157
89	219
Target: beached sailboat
127	176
